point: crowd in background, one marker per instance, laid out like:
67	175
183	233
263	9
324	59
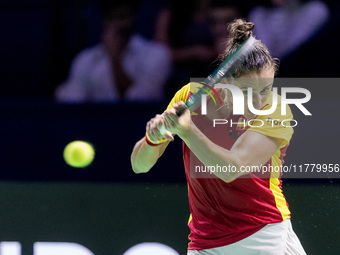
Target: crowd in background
112	51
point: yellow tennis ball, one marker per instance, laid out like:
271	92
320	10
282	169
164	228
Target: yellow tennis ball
79	154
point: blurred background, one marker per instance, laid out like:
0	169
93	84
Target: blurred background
98	71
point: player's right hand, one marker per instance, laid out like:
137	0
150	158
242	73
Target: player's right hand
154	127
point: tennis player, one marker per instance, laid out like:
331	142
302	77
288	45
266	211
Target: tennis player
237	212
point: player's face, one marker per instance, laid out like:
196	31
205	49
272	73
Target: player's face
261	84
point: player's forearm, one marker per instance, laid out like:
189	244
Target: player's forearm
211	154
144	156
205	150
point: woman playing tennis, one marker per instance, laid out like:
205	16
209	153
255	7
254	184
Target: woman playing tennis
232	212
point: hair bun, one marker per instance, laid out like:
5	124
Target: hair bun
240	30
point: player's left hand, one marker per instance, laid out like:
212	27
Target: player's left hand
178	123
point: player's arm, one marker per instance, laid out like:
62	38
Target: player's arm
146	152
144	156
251	149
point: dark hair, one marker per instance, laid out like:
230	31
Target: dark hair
258	59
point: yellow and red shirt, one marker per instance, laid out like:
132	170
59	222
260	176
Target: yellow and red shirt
224	213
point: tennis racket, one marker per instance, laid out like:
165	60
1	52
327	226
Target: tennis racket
225	69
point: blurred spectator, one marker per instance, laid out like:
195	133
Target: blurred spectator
220	15
124	66
287	24
197	34
153	20
189	39
316	57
